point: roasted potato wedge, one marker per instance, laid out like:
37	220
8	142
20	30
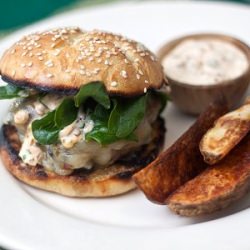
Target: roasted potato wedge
227	132
217	187
179	163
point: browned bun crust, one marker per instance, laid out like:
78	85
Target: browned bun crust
109	181
62	60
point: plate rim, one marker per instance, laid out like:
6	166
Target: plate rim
74	223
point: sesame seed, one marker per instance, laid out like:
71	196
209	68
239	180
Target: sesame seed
49	63
49	75
67	71
99	60
30	54
24	53
138	76
13	73
82	72
96	70
114	84
13	51
38	45
30	64
146	81
53	45
145	90
98	54
82	67
31	43
23	65
142	54
106	62
57	52
140	72
126	61
38	54
153	58
40	58
124	74
29	48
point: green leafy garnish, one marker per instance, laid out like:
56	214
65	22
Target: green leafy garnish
100	132
46	129
119	122
66	113
114	118
94	90
10	91
126	115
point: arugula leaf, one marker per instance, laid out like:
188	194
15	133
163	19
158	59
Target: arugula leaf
10	91
66	113
101	135
94	90
46	129
119	122
111	122
126	115
100	132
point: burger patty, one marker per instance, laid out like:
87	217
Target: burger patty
79	182
73	151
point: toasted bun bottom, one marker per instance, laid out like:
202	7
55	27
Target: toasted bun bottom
107	181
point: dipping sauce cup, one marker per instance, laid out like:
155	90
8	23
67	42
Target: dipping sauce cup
202	67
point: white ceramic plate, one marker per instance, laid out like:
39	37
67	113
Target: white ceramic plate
34	219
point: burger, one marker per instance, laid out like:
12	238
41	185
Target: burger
86	114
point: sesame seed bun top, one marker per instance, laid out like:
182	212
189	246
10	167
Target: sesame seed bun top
62	60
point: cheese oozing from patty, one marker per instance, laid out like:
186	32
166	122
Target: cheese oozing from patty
73	151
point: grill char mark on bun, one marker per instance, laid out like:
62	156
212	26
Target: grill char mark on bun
62	60
43	88
61	90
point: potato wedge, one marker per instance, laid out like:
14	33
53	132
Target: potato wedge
181	162
217	187
227	132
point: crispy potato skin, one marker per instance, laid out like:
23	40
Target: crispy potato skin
226	133
179	163
217	187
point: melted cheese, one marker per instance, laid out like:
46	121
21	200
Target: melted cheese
73	151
